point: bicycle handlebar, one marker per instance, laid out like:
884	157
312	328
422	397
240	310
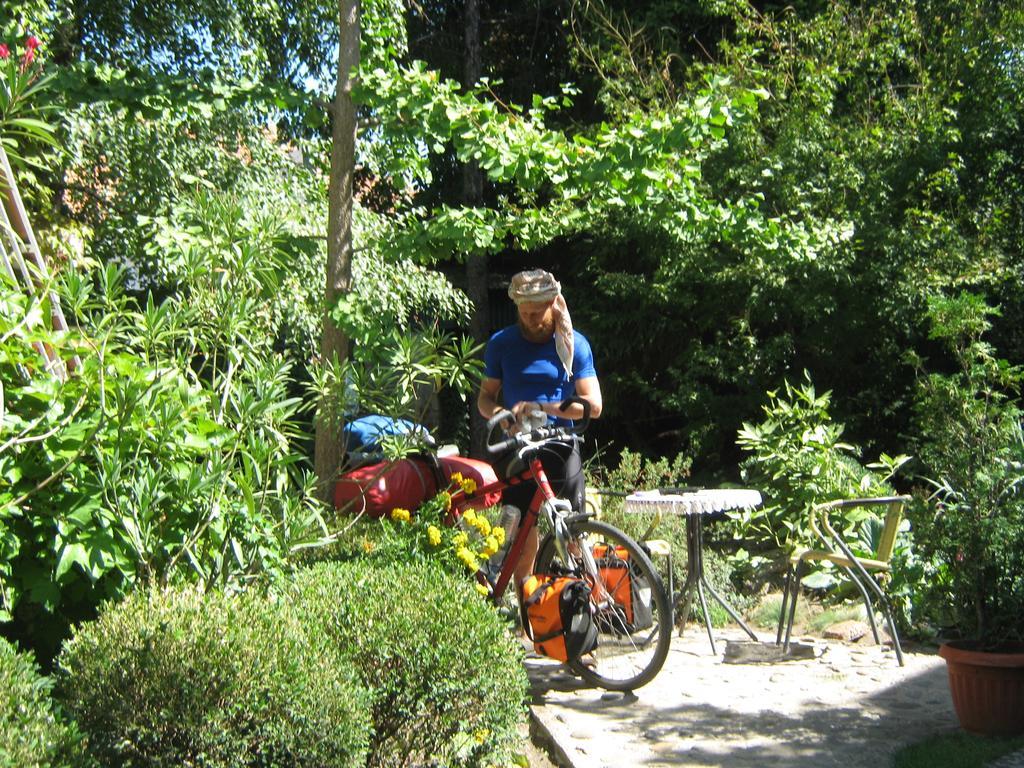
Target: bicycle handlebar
540	434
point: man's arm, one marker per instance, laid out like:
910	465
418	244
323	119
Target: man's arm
487	400
588	389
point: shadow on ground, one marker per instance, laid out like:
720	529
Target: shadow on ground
842	709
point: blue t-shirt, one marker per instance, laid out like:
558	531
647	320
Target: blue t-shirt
531	371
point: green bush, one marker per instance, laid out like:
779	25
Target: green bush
971	446
798	459
446	677
171	678
149	464
635	472
31	736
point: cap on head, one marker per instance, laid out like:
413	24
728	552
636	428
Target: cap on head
534	285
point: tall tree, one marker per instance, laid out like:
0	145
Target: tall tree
340	194
898	121
473	193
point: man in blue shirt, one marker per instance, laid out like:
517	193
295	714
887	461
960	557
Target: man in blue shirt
533	366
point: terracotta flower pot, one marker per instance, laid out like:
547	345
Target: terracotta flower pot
987	687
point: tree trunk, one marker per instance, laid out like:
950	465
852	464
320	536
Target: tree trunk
472	192
334	344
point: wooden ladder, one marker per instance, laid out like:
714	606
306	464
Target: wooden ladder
23	261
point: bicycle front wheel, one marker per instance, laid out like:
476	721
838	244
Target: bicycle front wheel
630	606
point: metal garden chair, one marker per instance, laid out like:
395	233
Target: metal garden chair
863	571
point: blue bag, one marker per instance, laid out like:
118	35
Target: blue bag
366	433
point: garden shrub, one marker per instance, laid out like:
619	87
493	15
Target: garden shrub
970	424
31	735
446	677
147	465
175	677
176	451
798	459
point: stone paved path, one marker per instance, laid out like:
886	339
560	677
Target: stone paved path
1016	760
848	707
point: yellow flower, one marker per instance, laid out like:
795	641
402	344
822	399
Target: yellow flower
401	515
470	517
482	590
468	485
367	545
499	534
446	500
468	558
490	546
456	478
483	525
433	535
460	539
481	735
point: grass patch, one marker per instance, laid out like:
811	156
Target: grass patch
811	617
821	621
766	614
956	750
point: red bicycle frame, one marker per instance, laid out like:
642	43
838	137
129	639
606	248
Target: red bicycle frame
461	500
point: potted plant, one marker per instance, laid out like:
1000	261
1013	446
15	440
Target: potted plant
972	529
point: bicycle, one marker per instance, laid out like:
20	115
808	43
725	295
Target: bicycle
628	654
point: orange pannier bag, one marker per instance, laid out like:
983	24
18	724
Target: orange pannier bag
557	617
626	585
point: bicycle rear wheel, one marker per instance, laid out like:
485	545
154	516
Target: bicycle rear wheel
631	608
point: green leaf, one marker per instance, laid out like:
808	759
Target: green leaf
195	441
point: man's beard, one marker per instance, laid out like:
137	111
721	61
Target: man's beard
539	334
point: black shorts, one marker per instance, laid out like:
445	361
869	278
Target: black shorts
564	468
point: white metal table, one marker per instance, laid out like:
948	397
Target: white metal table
696	505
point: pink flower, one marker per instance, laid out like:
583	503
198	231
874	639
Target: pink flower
4	51
32	42
28	58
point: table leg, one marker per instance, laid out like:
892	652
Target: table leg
731	611
698	567
721	600
707	615
697	581
684	600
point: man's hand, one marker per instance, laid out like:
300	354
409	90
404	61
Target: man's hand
525	408
526	413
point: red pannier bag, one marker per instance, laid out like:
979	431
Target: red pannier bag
480	472
377	489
